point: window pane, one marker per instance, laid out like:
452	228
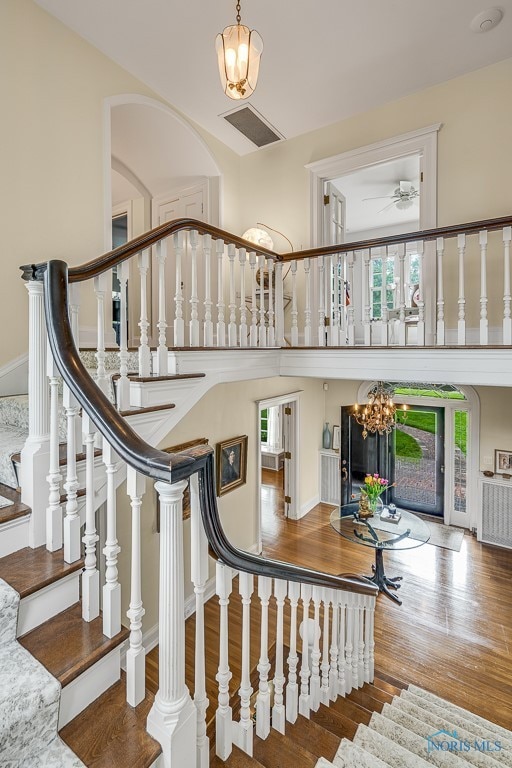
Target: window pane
460	451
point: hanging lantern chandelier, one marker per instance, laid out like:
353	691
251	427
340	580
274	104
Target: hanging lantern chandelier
378	415
239	51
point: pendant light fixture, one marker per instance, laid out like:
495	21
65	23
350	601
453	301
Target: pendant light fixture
239	51
378	415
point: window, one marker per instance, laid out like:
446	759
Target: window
385	277
270	428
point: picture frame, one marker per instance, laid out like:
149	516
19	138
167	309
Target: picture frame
231	464
502	462
186	493
336	435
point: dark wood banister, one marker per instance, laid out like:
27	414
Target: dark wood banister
123	252
155	463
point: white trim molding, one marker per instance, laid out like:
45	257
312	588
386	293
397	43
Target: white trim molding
14	377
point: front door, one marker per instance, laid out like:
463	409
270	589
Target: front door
359	456
417	460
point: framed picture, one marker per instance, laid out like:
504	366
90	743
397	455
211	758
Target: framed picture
502	462
231	464
335	438
186	492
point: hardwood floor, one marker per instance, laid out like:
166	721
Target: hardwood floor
452	635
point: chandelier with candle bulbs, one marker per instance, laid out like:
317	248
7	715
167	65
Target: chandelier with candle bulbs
238	52
378	415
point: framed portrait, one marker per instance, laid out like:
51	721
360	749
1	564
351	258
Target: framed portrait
502	462
335	438
231	464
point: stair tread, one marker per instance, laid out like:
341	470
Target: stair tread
278	751
237	759
385	685
169	377
15	510
392	680
67	645
146	409
330	719
314	737
370	700
111	733
79	494
378	693
352	710
63	457
29	570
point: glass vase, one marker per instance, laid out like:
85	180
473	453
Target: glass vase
326	436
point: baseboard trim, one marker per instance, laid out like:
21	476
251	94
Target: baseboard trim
308	506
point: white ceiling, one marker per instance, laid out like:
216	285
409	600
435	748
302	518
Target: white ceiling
322	61
379	181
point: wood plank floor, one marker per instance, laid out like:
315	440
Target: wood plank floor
452	635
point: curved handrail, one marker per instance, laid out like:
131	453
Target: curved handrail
123	252
152	461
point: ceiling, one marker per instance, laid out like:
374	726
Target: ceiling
379	181
322	63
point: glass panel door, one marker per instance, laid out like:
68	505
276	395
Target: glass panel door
417	460
460	431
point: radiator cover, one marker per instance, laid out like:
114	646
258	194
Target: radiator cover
496	519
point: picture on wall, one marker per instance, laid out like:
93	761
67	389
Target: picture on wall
336	438
231	464
502	462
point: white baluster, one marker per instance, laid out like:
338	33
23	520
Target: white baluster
279	304
173	717
342	665
360	614
384	301
321	302
461	325
242	734
221	324
356	682
199	575
100	289
292	689
135	655
208	322
325	667
367	310
420	338
307	307
162	356
367	638
72	519
253	337
271	330
242	257
507	320
179	323
315	654
440	291
232	334
484	322
278	710
370	616
123	383
305	592
144	350
194	300
402	339
112	587
90	575
294	311
349	637
224	714
35	453
350	311
262	331
334	325
54	510
333	669
263	697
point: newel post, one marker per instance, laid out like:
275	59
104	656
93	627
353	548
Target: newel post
35	455
172	720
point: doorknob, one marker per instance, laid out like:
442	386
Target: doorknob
344	473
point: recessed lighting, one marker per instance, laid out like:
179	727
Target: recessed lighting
487	20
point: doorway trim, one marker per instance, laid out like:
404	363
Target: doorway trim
422	141
294	513
472	405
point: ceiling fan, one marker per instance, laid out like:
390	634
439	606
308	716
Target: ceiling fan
403	197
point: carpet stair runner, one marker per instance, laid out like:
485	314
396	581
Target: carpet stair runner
29	701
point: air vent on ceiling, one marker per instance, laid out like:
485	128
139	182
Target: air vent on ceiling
252	125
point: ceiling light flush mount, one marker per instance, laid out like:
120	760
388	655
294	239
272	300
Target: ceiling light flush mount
238	52
487	20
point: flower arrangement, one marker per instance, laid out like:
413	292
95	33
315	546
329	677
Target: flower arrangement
374	486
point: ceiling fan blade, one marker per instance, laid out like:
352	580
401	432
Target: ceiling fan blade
382	197
387	206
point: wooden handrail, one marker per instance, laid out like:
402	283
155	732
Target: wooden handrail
155	463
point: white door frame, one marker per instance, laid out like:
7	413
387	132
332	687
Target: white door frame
472	405
294	399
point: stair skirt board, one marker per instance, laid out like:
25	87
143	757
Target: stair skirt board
82	691
37	608
29	700
14	535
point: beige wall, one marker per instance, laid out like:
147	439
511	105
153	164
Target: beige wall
51	151
226	411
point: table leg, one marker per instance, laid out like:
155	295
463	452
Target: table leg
381	580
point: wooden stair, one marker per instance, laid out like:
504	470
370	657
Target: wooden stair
16	509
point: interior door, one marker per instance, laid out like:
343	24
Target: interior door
417	460
290	459
359	456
